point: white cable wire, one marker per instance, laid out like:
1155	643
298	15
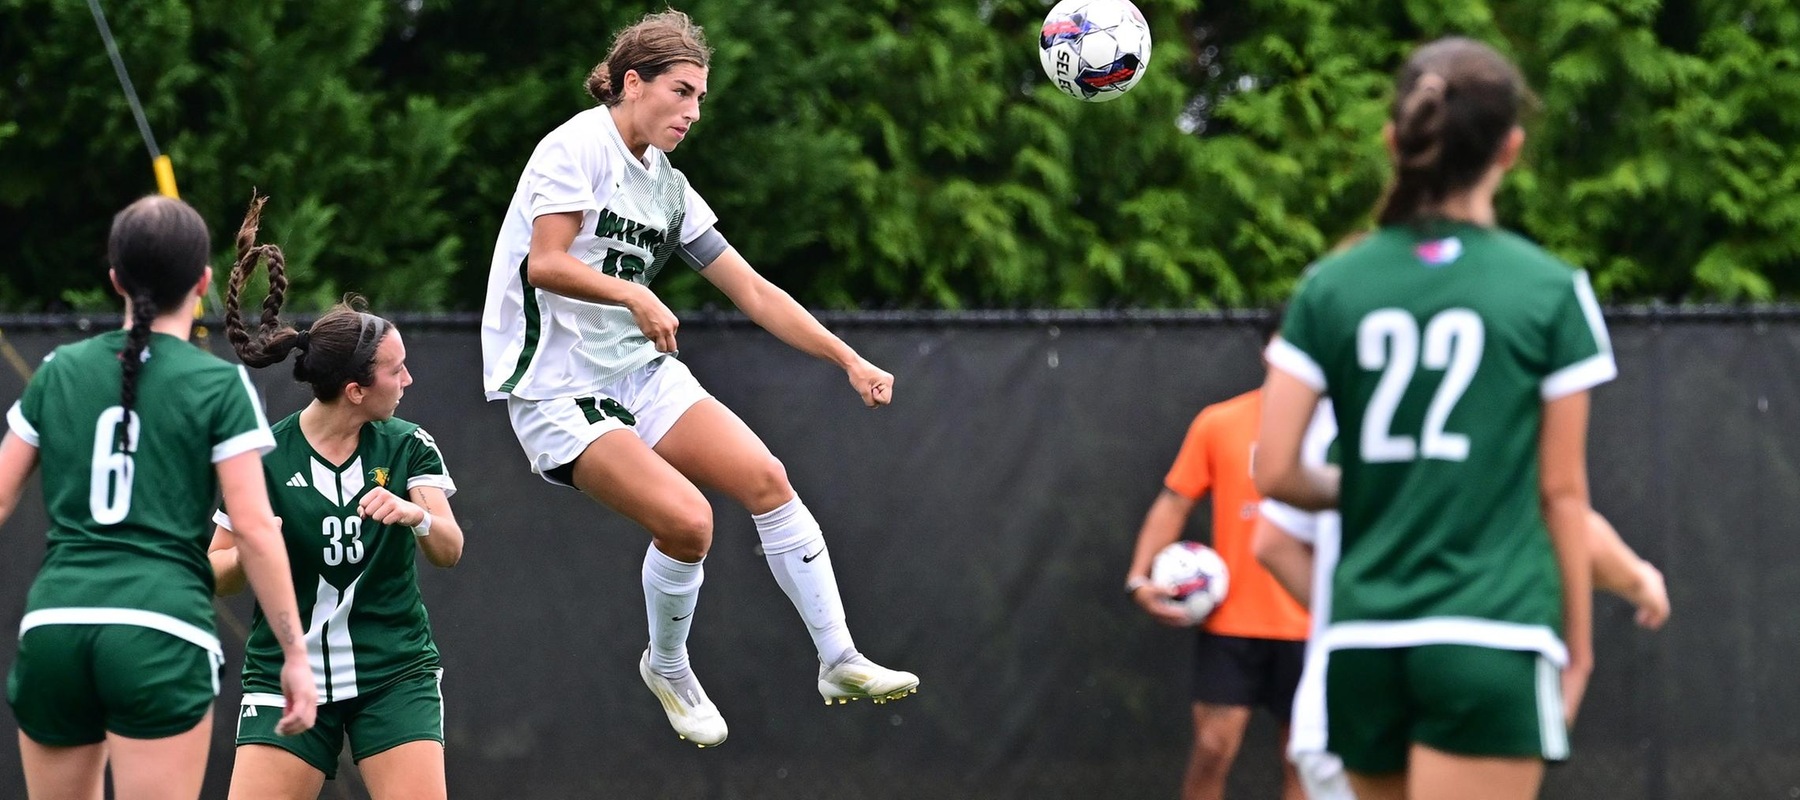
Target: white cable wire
112	49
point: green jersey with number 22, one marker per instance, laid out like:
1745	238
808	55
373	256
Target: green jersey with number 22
1439	345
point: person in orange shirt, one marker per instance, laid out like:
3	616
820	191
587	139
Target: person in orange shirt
1250	650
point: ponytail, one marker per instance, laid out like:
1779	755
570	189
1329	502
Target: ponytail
600	85
337	349
157	251
1418	152
131	363
272	341
1455	102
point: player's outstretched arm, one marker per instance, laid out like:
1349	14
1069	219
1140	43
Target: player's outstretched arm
1619	570
18	459
1563	494
264	558
778	313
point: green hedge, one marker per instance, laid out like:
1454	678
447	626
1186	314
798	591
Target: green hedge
904	154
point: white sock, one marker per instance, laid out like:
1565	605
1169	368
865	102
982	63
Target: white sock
795	549
671	590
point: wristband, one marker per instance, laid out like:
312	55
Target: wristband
423	529
1135	582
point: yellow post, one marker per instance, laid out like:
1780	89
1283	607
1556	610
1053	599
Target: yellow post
165	185
165	177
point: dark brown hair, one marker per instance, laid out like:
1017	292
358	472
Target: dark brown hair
338	349
650	46
1455	101
157	249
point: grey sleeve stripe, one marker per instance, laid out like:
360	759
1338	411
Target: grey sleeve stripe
705	248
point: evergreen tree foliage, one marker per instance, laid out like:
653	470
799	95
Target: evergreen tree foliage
904	154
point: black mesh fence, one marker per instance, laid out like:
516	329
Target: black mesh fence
980	529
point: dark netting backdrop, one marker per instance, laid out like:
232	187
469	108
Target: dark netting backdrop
981	527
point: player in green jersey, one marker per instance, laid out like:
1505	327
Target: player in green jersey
360	493
1458	358
137	431
1300	549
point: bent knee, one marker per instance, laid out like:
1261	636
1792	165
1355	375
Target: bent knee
685	533
766	486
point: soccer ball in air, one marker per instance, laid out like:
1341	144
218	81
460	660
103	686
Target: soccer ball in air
1195	575
1094	50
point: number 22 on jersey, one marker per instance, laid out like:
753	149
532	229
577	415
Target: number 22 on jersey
1388	340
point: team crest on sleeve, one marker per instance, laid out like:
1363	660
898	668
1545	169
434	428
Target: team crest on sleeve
380	476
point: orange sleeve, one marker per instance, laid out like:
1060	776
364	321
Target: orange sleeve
1191	474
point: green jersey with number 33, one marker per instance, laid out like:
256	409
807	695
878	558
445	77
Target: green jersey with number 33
356	579
1439	345
128	530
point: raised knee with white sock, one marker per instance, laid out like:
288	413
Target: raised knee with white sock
795	548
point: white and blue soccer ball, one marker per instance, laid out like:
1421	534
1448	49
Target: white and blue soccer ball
1195	576
1095	50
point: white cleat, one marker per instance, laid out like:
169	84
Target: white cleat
856	678
693	716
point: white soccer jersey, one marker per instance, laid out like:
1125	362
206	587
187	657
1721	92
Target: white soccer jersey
1321	530
538	345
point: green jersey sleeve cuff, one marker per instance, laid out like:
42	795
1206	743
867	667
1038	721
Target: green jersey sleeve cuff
1294	361
434	481
260	440
15	420
1578	377
1593	370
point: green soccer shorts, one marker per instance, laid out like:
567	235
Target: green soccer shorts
1460	699
409	710
72	684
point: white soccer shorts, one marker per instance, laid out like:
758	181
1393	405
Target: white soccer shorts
646	401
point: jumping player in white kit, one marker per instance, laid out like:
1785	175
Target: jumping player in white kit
583	353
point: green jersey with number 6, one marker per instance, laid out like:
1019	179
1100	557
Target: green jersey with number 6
128	532
356	579
1439	344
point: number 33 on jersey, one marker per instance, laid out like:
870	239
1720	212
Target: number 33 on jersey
355	578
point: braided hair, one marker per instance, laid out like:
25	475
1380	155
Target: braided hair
339	347
157	251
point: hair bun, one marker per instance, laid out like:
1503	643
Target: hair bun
599	84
